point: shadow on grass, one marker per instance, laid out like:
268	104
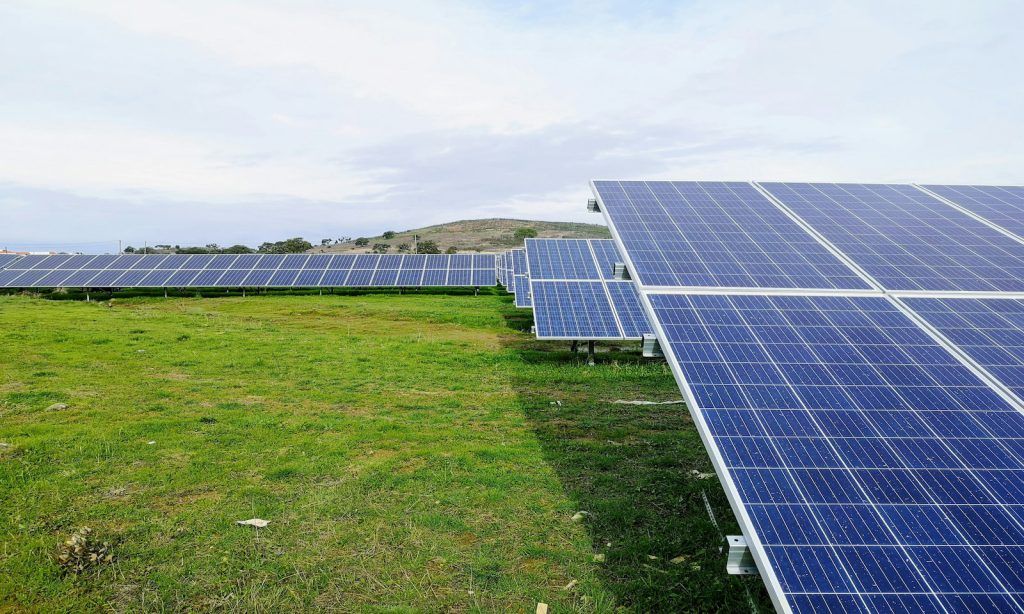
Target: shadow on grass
631	468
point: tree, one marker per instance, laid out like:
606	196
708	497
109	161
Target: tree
325	242
525	233
381	248
427	247
296	245
238	249
404	248
451	250
362	242
129	250
389	234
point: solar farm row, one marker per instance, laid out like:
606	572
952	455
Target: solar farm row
807	236
250	270
853	357
574	294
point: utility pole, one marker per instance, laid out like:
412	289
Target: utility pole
119	252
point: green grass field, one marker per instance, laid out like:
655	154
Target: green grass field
412	453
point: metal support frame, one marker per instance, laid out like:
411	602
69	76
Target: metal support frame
651	346
592	205
741	559
590	353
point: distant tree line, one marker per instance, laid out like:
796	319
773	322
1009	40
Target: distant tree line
296	245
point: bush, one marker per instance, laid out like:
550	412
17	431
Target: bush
427	247
451	250
362	242
525	233
381	248
389	234
295	245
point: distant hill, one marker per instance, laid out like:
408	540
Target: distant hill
476	235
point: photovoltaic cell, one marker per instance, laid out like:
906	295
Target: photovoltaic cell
905	238
1002	205
876	471
990	331
580	310
716	234
626	303
230	270
7	259
560	259
569	259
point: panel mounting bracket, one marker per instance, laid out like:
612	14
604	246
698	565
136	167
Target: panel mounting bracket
619	271
592	205
741	560
651	347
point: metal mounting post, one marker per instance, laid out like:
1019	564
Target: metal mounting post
590	353
592	205
619	271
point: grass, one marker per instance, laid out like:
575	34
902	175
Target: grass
412	453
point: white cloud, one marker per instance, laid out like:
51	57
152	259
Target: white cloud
361	112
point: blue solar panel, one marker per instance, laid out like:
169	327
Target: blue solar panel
873	470
626	303
555	259
990	331
716	234
275	270
907	239
607	255
560	259
1002	205
7	259
580	310
523	296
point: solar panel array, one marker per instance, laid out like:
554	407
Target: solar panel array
250	270
863	412
574	295
7	260
520	278
907	239
1002	205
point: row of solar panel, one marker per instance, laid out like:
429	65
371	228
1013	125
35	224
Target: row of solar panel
573	293
755	235
252	270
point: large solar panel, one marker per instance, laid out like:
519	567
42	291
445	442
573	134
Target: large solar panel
907	239
251	270
990	331
716	234
553	263
874	471
1002	205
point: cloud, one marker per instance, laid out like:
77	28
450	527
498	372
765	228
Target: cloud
262	118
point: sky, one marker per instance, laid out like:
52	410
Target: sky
192	122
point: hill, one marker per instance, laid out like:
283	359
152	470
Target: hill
488	235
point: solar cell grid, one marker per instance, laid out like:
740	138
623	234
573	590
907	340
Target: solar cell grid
716	234
7	259
579	310
1002	205
990	331
907	239
560	259
873	467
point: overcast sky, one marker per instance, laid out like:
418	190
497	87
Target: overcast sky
190	122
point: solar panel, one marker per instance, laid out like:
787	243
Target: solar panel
270	270
873	470
578	309
1002	205
523	297
716	234
7	260
582	260
990	331
907	239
